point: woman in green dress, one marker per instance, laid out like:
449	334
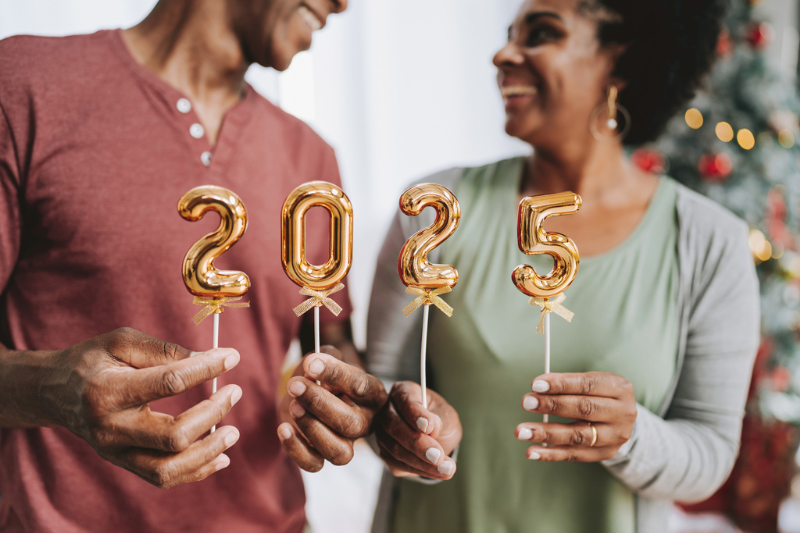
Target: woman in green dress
649	380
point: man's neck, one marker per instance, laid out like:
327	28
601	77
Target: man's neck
191	47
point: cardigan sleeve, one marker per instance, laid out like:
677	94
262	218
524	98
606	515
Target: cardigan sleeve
689	453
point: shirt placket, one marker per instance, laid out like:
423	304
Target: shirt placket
196	131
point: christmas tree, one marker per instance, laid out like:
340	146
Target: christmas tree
737	143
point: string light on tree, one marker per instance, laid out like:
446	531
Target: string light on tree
694	118
760	247
786	138
746	139
724	132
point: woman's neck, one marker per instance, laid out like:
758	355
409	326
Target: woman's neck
189	45
598	173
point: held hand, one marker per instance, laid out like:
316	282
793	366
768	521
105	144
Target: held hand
413	440
603	404
104	385
322	422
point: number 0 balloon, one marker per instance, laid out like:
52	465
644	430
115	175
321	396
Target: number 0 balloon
317	281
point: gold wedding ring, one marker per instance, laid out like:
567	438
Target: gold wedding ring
594	435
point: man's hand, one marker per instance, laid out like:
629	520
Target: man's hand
100	390
413	440
322	421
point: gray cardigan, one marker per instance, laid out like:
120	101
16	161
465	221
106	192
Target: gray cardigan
686	449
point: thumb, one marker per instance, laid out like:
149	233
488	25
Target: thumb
407	400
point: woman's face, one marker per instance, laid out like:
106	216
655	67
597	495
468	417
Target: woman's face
552	72
272	32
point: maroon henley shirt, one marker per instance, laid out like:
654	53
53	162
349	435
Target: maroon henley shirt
95	151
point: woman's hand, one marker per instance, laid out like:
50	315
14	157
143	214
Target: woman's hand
413	440
603	405
323	421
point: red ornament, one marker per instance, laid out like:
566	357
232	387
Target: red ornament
715	167
781	378
651	161
724	44
760	35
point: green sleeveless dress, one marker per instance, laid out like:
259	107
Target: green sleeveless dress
484	358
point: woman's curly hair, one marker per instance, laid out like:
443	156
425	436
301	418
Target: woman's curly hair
670	46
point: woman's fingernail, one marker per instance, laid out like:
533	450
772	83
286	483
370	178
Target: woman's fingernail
222	462
236	395
525	434
297	388
422	424
530	403
540	386
231	438
316	367
433	455
297	410
445	468
285	433
533	456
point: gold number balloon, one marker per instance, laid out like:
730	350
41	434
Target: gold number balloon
293	227
534	240
199	273
415	269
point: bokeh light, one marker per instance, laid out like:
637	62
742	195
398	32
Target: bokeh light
724	132
694	118
760	247
745	139
786	138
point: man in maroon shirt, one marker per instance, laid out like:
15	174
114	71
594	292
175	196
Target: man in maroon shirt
99	136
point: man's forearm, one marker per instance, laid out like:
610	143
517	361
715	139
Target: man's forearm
25	400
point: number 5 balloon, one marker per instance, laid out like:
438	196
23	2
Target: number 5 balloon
534	240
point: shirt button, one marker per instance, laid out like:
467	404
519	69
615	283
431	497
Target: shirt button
205	158
197	131
184	105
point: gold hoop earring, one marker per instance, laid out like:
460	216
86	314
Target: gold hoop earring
610	122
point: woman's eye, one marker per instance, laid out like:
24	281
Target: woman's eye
540	35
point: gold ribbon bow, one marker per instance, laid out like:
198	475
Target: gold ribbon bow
551	306
214	305
318	299
428	297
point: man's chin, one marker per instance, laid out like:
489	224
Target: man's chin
282	56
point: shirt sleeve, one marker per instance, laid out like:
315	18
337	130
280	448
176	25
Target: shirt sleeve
330	172
10	220
688	454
